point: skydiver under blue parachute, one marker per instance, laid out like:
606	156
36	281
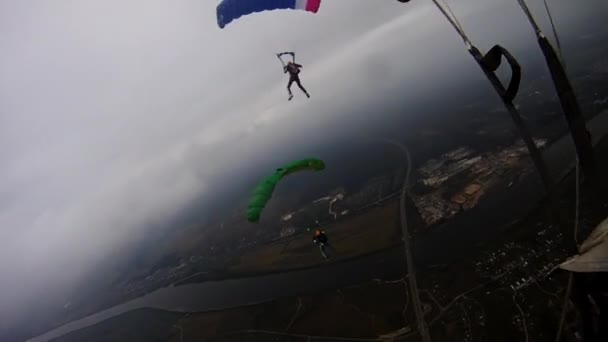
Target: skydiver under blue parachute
230	10
294	70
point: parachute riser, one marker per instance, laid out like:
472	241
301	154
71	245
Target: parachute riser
572	112
489	64
574	118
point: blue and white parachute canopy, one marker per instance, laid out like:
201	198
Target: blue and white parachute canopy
229	10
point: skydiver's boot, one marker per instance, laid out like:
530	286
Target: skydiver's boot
290	97
307	94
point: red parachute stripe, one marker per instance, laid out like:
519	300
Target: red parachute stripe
313	5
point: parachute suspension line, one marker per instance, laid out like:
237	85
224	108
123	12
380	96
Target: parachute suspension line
526	9
537	30
559	46
455	18
577	201
566	303
451	17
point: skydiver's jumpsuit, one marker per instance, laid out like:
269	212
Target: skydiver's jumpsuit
321	240
294	69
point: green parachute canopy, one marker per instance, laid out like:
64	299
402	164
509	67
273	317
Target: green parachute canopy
263	192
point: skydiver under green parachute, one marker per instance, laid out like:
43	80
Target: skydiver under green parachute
263	192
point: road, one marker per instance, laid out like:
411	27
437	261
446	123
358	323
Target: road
405	235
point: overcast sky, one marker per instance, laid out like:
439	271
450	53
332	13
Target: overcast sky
102	102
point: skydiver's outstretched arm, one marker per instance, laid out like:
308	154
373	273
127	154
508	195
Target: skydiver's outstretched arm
281	59
298	65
